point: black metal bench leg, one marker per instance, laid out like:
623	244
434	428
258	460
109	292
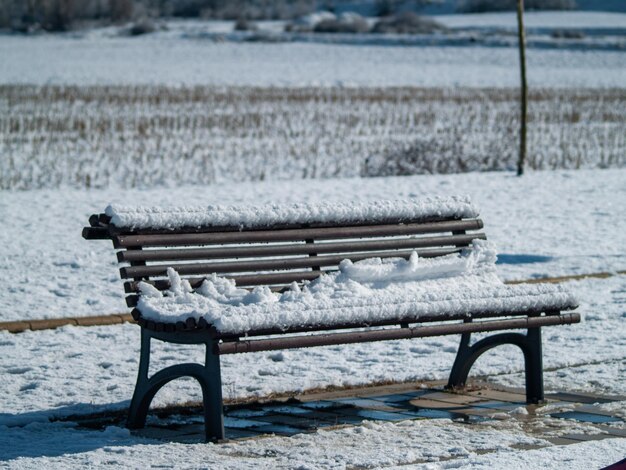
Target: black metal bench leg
208	375
212	396
461	367
530	344
534	366
139	405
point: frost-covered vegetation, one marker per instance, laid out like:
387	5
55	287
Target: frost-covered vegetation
62	15
145	136
481	6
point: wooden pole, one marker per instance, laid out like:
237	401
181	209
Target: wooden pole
524	89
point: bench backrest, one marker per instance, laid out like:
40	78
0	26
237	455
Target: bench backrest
275	256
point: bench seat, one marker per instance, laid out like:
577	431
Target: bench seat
335	301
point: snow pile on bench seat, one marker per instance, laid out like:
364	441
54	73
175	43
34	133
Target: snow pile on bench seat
359	293
297	213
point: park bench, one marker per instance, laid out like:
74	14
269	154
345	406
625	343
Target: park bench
276	246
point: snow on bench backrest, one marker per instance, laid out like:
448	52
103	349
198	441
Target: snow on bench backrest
296	213
277	244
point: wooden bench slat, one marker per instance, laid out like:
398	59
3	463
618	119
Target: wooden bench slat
294	249
483	315
94	220
114	230
351	337
396	321
326	233
95	233
270	264
246	280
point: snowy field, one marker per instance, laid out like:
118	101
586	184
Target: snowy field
135	136
550	223
176	61
537	19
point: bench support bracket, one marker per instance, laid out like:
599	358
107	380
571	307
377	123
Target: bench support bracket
207	375
530	344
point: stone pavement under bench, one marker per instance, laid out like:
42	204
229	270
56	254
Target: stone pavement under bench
398	402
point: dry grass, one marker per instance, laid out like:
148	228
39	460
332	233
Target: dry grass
141	136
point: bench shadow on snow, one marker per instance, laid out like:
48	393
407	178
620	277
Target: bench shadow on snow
62	431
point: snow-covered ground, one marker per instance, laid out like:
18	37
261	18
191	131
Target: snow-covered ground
411	444
175	61
546	223
537	19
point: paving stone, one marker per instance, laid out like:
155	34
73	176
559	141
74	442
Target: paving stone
328	406
429	413
561	441
287	409
471	419
527	446
191	429
241	423
396	398
385	403
434	404
191	439
554	406
293	421
587	437
358	392
594	410
617	432
586	417
343	419
279	429
172	433
499	405
395	389
245	412
374	414
583	397
240	433
451	397
499	395
314	414
367	403
482	412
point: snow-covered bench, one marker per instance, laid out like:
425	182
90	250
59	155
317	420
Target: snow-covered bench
245	279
